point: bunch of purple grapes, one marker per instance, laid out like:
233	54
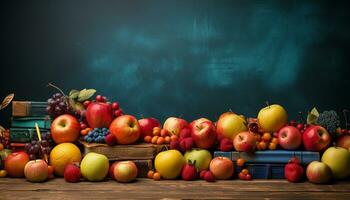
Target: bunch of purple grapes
57	105
36	149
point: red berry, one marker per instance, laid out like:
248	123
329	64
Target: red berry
72	173
185	133
110	140
226	145
343	131
241	176
202	173
292	123
115	105
104	99
348	132
248	177
83	126
118	113
99	98
209	176
86	103
300	126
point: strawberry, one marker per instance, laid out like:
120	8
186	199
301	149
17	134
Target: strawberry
186	144
175	145
209	176
185	133
189	171
293	171
72	173
202	173
226	145
110	140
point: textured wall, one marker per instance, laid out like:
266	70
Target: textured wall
191	58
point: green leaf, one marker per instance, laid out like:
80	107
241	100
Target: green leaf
312	116
73	94
86	94
75	105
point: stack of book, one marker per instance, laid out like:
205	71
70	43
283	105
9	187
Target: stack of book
24	116
269	164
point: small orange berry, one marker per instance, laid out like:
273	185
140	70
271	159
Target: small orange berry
257	137
148	139
154	139
150	174
156	176
160	140
274	140
272	146
167	139
174	138
240	162
156	131
164	132
245	171
266	137
262	145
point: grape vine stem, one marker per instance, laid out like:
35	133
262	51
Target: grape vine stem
56	87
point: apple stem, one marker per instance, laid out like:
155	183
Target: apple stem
54	86
230	110
346	118
267	104
142	116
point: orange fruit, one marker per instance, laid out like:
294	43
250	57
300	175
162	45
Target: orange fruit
3	173
266	137
156	131
1	147
156	176
263	145
154	139
272	146
257	137
160	140
150	174
164	132
174	138
148	139
274	140
240	162
84	132
167	139
245	171
63	154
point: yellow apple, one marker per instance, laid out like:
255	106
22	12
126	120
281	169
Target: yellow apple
169	164
272	118
230	124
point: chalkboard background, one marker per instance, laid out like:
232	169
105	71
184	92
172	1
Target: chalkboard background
186	58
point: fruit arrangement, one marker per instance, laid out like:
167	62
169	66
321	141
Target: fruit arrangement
79	116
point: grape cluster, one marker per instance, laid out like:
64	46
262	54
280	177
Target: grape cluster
97	135
57	105
329	120
36	149
5	138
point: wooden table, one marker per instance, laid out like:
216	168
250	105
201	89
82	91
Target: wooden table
146	188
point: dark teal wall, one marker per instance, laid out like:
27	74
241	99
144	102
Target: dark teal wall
191	58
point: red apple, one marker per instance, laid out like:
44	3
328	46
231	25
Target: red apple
147	125
222	168
111	170
203	133
126	129
289	137
99	115
65	128
174	125
15	163
244	141
316	138
344	141
125	171
318	172
230	124
36	171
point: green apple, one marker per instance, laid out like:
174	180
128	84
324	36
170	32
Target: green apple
318	172
272	118
94	166
338	159
201	156
169	163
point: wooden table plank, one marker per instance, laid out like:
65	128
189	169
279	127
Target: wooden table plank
146	188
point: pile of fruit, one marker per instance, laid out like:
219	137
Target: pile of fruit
78	117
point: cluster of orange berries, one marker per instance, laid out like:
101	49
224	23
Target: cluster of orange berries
85	131
244	174
153	175
265	141
160	136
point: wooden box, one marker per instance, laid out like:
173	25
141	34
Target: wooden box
140	151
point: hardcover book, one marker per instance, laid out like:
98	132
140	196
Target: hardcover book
28	108
44	122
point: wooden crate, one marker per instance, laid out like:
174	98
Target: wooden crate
142	151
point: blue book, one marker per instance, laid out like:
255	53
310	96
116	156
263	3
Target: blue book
271	157
44	122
